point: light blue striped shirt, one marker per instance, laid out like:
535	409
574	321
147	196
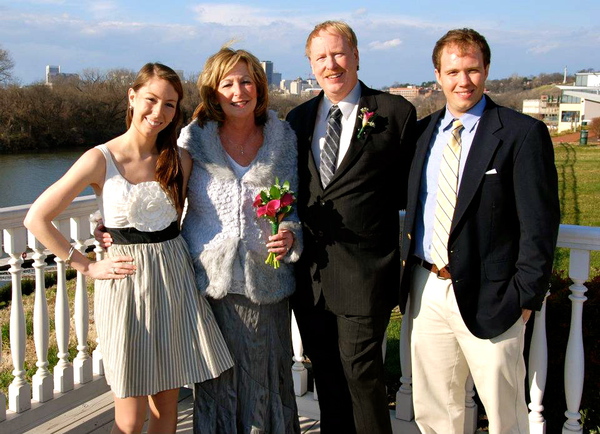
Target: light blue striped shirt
429	176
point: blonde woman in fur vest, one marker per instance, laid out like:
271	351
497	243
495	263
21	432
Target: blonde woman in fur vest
238	147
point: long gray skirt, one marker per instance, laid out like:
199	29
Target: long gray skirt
257	395
156	331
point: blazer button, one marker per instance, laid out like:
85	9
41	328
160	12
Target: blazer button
403	263
322	203
409	236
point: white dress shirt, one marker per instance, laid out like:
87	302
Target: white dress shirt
349	108
425	216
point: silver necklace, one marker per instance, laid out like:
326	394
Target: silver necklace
243	144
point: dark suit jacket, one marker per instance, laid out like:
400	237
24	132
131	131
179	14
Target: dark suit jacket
351	229
506	219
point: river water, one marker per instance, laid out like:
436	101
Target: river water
23	177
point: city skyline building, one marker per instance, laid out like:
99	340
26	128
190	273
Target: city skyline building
267	65
53	73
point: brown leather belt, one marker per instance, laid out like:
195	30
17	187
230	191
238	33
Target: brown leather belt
444	273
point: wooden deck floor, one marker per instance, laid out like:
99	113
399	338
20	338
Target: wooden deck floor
96	416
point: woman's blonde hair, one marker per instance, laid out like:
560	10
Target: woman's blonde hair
216	67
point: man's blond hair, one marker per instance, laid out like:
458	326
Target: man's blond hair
339	27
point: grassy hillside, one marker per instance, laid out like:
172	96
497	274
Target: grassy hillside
578	170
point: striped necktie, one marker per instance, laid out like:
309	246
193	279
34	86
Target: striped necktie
446	196
329	153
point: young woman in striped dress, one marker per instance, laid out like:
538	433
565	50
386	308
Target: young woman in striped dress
156	332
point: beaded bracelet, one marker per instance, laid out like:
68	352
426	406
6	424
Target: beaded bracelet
68	260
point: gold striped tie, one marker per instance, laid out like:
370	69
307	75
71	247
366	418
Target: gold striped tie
446	196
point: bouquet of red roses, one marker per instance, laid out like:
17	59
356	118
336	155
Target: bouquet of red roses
274	205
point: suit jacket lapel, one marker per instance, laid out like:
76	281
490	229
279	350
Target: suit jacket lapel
310	129
416	169
481	152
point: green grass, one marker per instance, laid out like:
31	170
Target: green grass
578	170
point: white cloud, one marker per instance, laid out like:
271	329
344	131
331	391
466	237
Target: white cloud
47	2
385	45
543	47
231	14
103	9
360	13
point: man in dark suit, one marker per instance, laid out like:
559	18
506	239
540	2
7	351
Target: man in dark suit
348	275
477	256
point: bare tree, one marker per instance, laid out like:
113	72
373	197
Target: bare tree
426	105
6	66
283	104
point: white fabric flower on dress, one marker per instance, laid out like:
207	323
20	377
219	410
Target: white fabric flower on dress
149	207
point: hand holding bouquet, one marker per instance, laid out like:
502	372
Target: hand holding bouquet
274	205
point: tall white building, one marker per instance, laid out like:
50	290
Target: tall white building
51	72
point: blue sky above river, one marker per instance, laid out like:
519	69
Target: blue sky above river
527	37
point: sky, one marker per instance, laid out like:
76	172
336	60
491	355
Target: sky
395	38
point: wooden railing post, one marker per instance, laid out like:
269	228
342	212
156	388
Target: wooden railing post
63	371
579	268
470	406
538	371
83	362
404	403
2	396
42	380
19	391
299	373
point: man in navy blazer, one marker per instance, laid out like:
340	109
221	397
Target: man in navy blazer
469	315
348	274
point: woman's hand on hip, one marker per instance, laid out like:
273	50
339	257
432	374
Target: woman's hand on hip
102	236
117	267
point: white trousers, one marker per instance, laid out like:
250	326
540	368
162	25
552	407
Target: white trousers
444	351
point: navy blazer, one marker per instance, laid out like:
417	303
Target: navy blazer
351	228
504	230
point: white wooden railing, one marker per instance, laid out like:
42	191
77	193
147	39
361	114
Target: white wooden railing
72	383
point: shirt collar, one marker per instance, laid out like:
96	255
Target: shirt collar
469	119
347	104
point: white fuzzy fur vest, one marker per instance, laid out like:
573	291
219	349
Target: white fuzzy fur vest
221	226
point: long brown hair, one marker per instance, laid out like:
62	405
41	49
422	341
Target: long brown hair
215	68
169	172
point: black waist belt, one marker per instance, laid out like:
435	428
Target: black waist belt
443	274
133	236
